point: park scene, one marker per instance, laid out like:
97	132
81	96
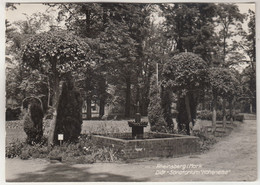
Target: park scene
130	92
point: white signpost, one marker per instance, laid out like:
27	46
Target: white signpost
60	138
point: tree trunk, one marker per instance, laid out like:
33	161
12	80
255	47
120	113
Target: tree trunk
101	107
89	108
54	119
56	94
128	97
49	94
214	113
231	112
187	105
102	96
224	113
56	82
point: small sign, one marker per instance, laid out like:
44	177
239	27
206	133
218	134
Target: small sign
60	137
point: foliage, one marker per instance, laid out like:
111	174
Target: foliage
228	16
250	45
12	114
166	103
32	120
14	149
84	151
224	82
207	115
35	23
116	32
206	141
69	112
54	54
155	113
59	49
189	26
185	72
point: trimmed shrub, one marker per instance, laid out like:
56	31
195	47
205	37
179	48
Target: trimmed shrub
239	118
166	97
155	112
12	114
33	120
69	112
207	115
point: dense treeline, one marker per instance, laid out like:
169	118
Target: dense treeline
114	49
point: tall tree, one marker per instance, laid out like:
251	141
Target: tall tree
229	20
190	26
186	74
223	83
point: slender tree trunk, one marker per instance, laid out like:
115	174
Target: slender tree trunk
231	112
101	107
187	105
224	113
251	108
102	96
214	113
56	82
128	97
89	108
54	119
56	94
49	94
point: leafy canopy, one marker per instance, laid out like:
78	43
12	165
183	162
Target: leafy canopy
224	82
185	72
59	50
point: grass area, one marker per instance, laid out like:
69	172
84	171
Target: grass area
14	129
84	151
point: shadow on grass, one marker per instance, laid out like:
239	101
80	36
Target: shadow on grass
67	173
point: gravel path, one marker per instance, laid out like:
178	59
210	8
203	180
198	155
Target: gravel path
231	159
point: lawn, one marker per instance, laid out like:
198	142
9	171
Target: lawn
14	129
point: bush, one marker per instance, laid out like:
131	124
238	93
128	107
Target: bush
239	117
69	112
84	151
14	149
207	115
155	113
33	120
12	114
206	141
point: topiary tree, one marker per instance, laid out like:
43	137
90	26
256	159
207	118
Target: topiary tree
155	112
33	119
223	83
69	111
186	74
54	54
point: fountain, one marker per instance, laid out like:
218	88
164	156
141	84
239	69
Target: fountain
137	126
140	144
